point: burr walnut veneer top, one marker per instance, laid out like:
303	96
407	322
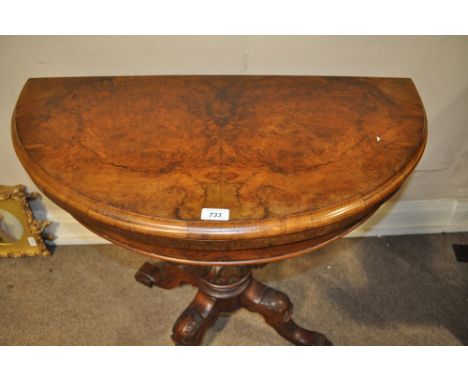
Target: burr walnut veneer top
292	158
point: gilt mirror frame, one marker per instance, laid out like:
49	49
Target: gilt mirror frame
14	200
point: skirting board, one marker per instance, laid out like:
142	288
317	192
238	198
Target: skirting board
397	218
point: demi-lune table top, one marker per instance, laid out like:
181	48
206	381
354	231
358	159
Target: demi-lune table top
295	159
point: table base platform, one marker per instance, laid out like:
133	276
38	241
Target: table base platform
221	290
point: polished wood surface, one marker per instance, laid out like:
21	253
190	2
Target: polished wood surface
298	161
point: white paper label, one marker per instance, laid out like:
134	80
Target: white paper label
214	214
32	241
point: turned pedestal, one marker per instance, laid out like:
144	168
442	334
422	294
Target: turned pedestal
224	289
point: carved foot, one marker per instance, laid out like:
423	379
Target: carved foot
276	309
165	275
193	322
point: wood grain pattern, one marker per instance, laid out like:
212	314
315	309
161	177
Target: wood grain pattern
294	159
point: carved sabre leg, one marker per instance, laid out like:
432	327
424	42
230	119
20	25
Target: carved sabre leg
225	289
165	275
276	309
193	322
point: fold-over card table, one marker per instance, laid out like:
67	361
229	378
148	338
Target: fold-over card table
215	175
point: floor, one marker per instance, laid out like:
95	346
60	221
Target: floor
400	290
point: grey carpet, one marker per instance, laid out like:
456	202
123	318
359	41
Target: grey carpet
401	290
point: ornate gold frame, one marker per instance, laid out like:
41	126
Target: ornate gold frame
14	199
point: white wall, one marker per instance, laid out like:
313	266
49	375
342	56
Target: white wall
434	199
